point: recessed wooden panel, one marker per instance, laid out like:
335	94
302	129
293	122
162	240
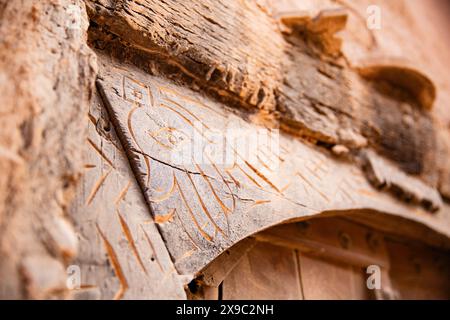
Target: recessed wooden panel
311	261
419	272
323	279
332	238
218	270
266	272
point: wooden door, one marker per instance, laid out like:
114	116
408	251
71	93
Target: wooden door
326	259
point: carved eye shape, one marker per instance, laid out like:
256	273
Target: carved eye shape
401	74
169	137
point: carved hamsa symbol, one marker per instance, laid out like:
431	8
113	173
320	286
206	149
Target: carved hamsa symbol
181	182
192	160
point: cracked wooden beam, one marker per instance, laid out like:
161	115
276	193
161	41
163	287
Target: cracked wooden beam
322	99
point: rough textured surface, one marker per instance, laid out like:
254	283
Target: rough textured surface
204	39
46	79
204	205
122	255
266	272
177	73
385	109
325	258
311	68
383	175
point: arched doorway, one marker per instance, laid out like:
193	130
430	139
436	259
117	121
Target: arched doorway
325	258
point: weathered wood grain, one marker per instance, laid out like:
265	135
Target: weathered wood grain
419	272
214	274
302	79
332	239
314	259
265	272
328	280
204	39
204	205
335	253
384	175
311	68
121	253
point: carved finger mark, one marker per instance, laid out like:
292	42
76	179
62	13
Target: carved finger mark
116	266
249	177
225	209
100	152
349	197
283	189
202	204
225	182
259	202
343	187
202	232
255	171
194	243
122	193
319	167
313	173
368	193
262	176
185	256
167	217
150	244
263	163
92	119
235	181
129	237
267	153
313	187
96	187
